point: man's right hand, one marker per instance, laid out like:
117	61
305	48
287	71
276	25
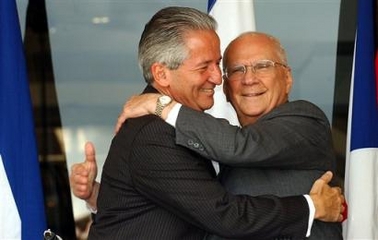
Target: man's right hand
140	105
328	201
136	106
83	176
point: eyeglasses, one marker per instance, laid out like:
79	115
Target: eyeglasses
260	68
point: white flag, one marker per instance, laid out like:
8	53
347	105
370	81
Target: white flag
361	174
233	17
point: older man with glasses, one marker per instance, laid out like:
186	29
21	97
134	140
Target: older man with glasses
282	147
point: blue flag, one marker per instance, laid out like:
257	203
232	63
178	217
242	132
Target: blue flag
20	180
361	174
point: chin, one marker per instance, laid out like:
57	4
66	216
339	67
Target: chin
253	112
206	107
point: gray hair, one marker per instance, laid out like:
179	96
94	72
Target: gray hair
163	38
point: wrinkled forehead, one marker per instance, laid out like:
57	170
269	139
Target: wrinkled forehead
250	49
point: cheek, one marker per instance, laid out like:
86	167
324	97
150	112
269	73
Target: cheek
279	88
284	83
234	88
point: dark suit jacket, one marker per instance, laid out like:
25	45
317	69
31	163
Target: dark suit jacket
153	189
282	154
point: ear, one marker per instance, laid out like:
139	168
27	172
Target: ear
289	81
160	73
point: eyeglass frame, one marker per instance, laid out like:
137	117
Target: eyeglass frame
252	66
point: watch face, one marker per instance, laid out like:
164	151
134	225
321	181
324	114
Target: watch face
165	100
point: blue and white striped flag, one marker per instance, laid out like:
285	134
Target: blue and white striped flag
233	17
22	213
361	173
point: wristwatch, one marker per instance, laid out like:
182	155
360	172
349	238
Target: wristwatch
161	103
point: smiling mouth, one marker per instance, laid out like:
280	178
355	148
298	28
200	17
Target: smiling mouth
207	90
253	94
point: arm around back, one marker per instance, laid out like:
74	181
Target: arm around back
286	138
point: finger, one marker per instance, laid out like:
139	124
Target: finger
344	212
340	218
79	170
74	168
81	179
338	189
118	124
90	154
121	117
326	177
81	192
120	120
321	183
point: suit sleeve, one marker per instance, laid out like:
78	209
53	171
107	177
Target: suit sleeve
179	180
283	139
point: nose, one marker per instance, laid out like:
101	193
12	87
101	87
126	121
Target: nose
249	77
216	75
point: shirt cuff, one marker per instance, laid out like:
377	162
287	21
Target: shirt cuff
91	209
173	115
311	215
